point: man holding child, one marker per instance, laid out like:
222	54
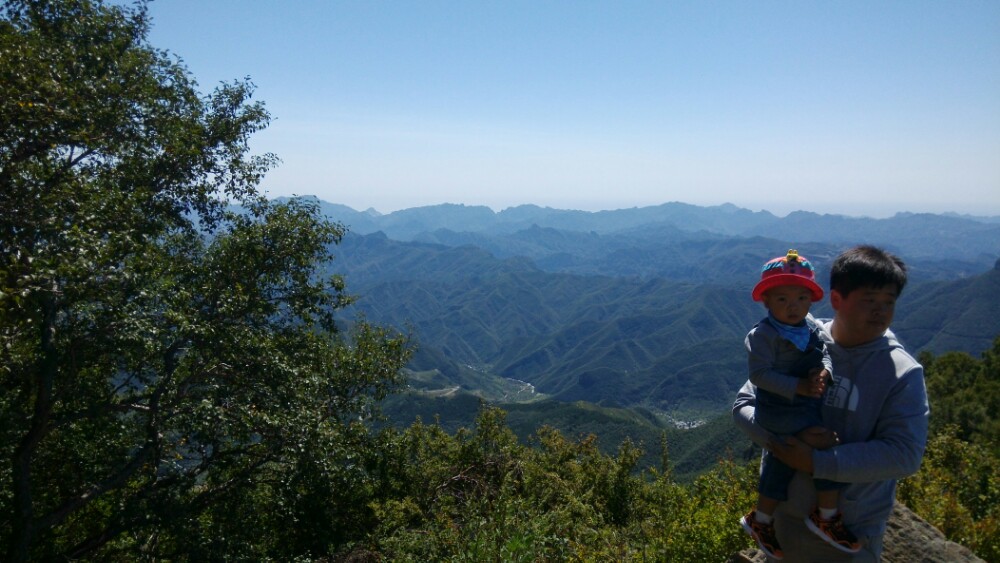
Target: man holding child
876	405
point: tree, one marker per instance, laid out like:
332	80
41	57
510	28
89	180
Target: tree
958	486
159	351
965	392
481	495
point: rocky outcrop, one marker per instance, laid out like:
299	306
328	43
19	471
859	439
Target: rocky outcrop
908	539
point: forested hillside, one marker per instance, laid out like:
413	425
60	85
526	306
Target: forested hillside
956	315
647	310
668	338
660	330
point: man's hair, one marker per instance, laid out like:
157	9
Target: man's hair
866	266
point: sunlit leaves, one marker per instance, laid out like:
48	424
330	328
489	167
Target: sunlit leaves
958	486
161	352
481	496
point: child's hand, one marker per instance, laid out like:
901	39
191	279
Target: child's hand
814	384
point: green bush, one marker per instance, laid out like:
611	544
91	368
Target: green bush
958	491
481	496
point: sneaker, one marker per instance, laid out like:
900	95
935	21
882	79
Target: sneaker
833	532
763	534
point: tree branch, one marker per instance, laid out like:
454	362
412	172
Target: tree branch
24	525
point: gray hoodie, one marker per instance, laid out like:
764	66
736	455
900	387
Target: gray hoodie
878	406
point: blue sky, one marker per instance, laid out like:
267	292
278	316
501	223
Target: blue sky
854	107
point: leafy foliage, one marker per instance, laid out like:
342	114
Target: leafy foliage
958	486
958	491
154	378
694	450
965	393
479	495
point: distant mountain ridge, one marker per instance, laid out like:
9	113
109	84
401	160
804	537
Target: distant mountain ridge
407	223
914	235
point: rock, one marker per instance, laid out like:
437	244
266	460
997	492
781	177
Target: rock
908	539
912	539
748	556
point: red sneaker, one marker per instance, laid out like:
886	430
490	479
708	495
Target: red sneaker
833	532
763	534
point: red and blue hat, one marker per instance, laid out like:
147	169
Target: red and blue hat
790	269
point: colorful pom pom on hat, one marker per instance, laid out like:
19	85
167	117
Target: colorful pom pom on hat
790	269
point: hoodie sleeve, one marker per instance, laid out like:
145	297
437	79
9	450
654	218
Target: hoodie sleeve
896	446
760	345
743	415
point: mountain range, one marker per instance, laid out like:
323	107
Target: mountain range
913	235
642	308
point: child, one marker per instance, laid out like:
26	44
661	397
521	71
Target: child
790	367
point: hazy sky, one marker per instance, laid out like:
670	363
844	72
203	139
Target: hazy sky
857	107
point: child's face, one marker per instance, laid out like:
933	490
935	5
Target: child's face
788	303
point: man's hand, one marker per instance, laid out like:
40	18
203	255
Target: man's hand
814	384
793	452
819	438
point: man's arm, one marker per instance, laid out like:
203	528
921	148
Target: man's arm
894	452
743	415
897	447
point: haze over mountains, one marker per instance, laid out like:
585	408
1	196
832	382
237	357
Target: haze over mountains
635	307
913	234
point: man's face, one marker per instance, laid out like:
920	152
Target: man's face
863	315
788	303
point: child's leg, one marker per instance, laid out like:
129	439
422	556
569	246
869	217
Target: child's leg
827	502
759	524
826	521
771	489
766	507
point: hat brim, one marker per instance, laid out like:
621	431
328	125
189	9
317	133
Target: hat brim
787	279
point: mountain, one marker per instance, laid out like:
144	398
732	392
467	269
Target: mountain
961	315
640	308
629	323
671	345
407	223
913	235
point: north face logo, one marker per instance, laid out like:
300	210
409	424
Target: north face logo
843	394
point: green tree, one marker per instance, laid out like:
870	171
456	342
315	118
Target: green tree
161	356
958	491
958	486
480	495
965	392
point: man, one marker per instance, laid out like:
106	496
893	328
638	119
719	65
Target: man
876	405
